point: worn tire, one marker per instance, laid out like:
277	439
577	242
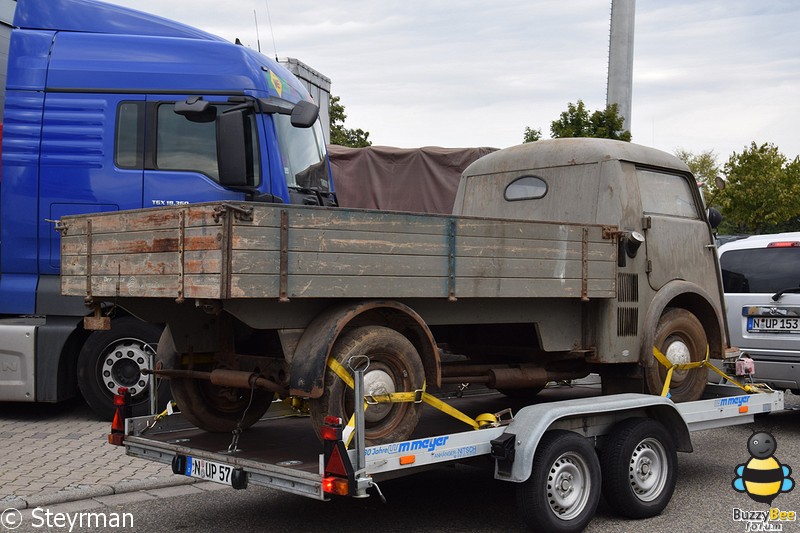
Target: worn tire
113	358
395	366
681	338
639	465
211	407
563	490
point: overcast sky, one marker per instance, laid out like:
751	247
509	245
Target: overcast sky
708	74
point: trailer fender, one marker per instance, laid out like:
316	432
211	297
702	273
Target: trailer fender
307	367
591	417
692	298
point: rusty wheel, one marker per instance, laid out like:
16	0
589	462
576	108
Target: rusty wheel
211	407
395	366
681	338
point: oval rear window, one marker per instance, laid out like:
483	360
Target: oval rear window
526	188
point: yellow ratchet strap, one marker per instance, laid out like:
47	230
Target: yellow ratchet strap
661	358
397	397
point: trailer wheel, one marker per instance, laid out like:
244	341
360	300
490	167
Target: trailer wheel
211	407
681	338
395	366
639	466
563	491
115	358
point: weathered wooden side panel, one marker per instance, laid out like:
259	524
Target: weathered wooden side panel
274	251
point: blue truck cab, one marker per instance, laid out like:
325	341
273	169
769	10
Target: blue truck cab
108	108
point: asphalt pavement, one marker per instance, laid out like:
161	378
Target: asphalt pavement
57	457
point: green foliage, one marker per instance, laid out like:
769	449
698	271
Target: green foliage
531	135
703	165
576	122
762	193
354	138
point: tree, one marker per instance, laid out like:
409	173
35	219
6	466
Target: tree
703	165
762	193
531	135
355	138
576	122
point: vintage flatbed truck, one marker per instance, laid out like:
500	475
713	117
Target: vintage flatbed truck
561	258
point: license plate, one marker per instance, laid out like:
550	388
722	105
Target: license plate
208	470
771	324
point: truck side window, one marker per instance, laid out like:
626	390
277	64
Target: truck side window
666	194
526	188
302	155
183	144
129	137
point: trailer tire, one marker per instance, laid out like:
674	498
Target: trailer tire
395	366
681	338
563	490
114	358
639	466
210	407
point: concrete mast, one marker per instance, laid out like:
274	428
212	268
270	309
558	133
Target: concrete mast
620	58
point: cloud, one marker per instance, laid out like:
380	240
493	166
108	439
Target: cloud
708	74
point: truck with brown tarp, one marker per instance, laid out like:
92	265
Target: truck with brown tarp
561	258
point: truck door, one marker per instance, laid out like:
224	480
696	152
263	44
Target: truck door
87	139
678	240
181	156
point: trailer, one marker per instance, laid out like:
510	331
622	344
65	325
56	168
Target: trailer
561	454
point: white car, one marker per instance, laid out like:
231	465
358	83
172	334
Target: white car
761	278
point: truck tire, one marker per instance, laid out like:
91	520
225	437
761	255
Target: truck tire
395	366
681	338
639	466
210	407
115	358
563	491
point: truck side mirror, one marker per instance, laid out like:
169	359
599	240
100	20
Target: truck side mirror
304	114
234	149
714	217
196	109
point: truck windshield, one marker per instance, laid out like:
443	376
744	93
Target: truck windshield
302	154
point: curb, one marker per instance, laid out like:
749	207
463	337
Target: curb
88	492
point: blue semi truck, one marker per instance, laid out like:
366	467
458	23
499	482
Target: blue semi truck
106	109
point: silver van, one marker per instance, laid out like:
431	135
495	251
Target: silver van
761	278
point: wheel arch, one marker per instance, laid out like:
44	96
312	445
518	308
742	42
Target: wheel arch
588	417
684	295
306	372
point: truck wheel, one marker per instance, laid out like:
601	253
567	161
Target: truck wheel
681	338
115	358
563	491
639	466
395	366
211	407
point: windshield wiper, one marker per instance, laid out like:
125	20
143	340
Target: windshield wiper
777	295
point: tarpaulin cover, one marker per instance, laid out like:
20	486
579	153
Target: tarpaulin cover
422	180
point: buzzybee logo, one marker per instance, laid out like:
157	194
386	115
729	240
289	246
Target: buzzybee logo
763	477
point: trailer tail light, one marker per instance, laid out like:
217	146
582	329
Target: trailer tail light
122	403
339	474
784	244
335	485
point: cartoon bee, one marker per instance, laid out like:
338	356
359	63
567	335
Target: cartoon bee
763	477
